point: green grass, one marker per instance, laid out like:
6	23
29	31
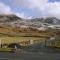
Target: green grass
5	49
8	40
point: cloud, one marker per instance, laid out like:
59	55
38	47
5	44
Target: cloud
44	7
5	9
22	15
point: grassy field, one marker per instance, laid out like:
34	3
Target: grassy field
6	49
8	40
16	35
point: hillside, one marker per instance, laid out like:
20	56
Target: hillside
8	18
13	25
14	29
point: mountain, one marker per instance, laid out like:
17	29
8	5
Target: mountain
14	28
14	21
11	20
49	20
8	18
13	25
52	20
29	22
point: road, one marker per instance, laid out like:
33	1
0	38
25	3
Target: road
29	56
43	53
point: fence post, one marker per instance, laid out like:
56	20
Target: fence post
0	43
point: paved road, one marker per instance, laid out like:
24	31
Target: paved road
43	54
29	56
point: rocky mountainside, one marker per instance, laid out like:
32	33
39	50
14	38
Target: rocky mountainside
49	20
40	23
15	28
8	18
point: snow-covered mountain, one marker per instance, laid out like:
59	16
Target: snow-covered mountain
39	23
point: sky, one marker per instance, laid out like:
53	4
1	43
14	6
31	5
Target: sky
31	8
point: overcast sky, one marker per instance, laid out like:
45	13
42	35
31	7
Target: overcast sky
31	8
